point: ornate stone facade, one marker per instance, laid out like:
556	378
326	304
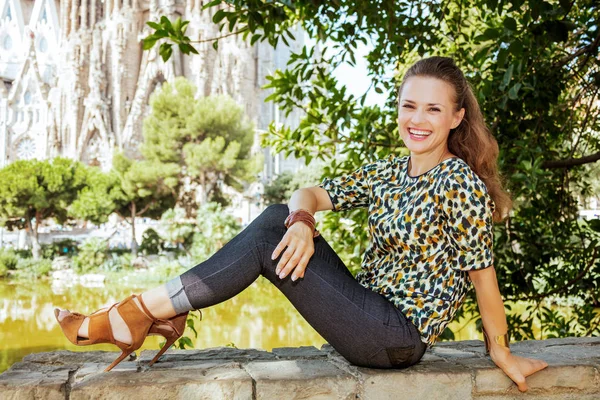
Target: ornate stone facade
76	82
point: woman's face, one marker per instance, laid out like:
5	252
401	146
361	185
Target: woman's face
426	115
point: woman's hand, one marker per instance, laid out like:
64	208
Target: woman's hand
517	368
300	248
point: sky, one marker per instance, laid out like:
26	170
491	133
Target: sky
355	77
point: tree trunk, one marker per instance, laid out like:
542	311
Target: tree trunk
204	186
134	244
32	232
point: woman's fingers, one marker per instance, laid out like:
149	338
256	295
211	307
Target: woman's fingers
530	366
300	248
289	261
298	259
299	271
279	248
518	368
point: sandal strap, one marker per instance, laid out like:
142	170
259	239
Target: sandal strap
136	320
158	321
144	307
100	330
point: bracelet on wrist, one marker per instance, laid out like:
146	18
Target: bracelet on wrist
302	215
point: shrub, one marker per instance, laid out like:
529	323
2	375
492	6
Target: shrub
8	259
117	261
152	243
92	254
28	267
64	247
23	253
214	229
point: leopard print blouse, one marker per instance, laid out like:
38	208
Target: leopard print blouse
425	233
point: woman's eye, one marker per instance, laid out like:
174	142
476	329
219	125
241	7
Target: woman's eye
435	109
407	106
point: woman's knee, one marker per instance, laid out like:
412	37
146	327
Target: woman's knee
273	216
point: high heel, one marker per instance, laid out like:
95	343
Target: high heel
177	325
100	331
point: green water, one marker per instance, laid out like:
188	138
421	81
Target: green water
260	317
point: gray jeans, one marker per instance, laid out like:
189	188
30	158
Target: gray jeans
363	326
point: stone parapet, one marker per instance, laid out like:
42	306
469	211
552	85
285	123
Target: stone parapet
451	370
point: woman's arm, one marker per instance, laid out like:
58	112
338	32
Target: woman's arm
491	308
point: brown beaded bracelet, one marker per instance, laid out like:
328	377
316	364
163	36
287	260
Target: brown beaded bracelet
301	215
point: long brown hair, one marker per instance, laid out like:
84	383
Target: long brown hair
471	140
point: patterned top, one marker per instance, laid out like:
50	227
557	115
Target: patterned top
425	233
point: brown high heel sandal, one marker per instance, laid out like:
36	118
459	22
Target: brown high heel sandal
500	339
140	324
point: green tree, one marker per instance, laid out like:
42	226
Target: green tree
143	188
281	188
533	65
278	191
96	201
32	191
206	140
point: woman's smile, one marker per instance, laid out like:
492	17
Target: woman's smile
418	134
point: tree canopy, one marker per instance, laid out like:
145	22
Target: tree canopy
203	140
32	191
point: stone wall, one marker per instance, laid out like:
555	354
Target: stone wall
451	370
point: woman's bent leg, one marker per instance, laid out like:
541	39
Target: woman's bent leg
360	324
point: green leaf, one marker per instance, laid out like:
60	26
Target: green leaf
514	90
153	25
177	25
507	76
594	224
211	4
219	15
215	45
165	51
161	33
516	49
255	37
510	24
232	22
149	42
490	34
166	23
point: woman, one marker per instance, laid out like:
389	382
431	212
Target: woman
430	222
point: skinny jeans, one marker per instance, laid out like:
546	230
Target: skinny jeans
360	324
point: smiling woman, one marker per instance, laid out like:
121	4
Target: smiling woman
431	232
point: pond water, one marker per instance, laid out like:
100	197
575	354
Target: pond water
260	317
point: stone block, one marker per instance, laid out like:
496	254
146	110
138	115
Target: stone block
550	380
26	380
303	352
301	379
216	353
65	357
418	382
214	383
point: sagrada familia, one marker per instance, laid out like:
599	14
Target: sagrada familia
75	81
